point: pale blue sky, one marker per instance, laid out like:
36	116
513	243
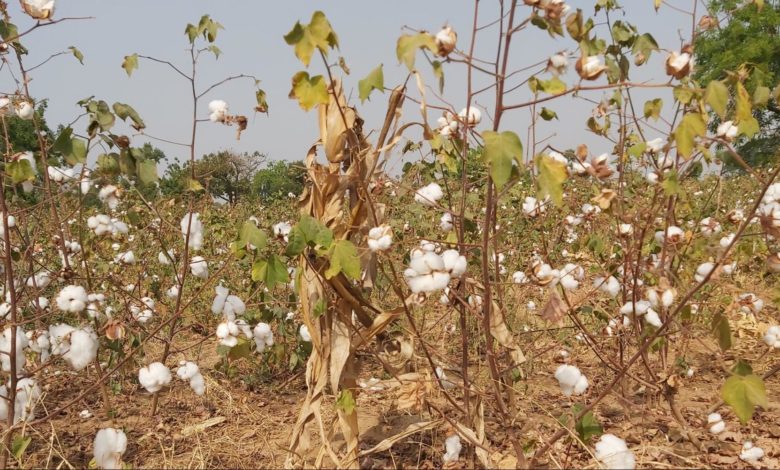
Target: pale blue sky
252	43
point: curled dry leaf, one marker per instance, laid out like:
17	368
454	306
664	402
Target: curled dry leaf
554	310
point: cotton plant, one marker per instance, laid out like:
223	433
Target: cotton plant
109	446
154	377
189	372
571	380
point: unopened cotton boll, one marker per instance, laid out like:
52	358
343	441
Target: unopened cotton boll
264	337
72	299
109	446
380	238
571	380
154	377
199	267
452	448
716	424
429	195
218	111
772	337
190	372
191	223
613	453
751	453
39	9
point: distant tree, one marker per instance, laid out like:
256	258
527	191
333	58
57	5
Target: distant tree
227	175
21	133
746	41
173	181
279	179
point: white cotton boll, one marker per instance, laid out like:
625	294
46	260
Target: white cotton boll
165	258
128	257
219	300
6	342
651	177
532	207
264	337
519	277
613	453
282	230
655	145
28	394
454	262
429	195
716	423
199	267
109	195
652	318
610	285
218	111
444	299
110	444
85	183
452	448
726	241
380	238
227	332
569	277
772	337
40	280
557	64
750	303
751	453
154	377
446	222
39	343
427	263
72	299
190	372
571	380
471	116
192	220
303	331
83	348
173	292
39	9
445	41
727	130
24	109
591	66
667	298
640	307
709	227
703	270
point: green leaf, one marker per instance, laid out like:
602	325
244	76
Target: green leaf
438	72
671	183
749	127
147	171
103	116
548	114
717	96
251	234
575	26
73	149
130	63
270	271
742	368
653	108
722	331
375	80
553	86
637	149
406	48
77	54
108	163
262	102
692	125
683	94
242	349
552	175
296	242
20	171
192	32
588	426
743	393
343	257
501	149
125	111
19	445
346	402
310	91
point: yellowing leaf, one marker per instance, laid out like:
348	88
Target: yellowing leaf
717	96
77	54
761	96
744	111
692	126
653	108
552	175
20	171
375	80
743	393
501	149
125	111
407	46
548	114
130	63
317	34
309	91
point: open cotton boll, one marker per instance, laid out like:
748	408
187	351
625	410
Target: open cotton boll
380	238
749	303
127	257
454	262
446	222
429	195
25	110
452	448
652	318
519	277
226	304
716	423
613	453
83	348
190	372
199	267
610	285
109	195
772	337
445	41
703	270
28	394
571	380
39	9
109	446
305	335
72	299
40	280
6	342
165	257
470	116
533	207
570	276
154	377
192	222
750	453
218	111
264	337
39	343
227	332
639	308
